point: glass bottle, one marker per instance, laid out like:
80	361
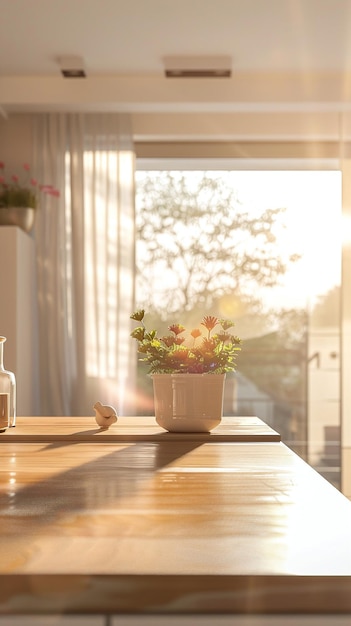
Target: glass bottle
7	393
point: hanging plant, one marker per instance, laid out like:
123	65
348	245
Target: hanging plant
22	194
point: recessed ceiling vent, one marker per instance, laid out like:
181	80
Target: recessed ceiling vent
197	66
72	67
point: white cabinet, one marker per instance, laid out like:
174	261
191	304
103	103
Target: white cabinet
18	314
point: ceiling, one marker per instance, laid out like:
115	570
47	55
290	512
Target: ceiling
286	55
130	37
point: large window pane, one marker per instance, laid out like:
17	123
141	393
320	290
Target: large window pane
261	247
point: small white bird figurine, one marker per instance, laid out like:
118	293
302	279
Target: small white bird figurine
105	415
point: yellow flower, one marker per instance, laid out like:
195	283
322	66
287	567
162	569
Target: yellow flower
138	315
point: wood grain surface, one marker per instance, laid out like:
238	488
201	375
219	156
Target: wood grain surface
195	527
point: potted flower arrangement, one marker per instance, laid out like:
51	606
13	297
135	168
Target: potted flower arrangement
19	200
188	371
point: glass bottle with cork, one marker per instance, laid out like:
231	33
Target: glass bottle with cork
7	393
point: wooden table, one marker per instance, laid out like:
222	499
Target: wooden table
49	429
170	527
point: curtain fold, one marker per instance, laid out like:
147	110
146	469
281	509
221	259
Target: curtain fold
85	262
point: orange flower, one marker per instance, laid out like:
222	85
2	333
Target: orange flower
209	321
214	354
176	329
196	333
223	336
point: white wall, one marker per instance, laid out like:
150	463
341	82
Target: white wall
16	142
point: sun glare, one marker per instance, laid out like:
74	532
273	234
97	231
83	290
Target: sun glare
310	229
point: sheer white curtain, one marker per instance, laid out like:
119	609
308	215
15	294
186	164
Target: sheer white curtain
86	262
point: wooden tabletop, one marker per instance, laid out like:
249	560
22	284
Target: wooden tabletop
85	429
159	527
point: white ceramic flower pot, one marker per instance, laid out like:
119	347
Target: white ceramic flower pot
188	402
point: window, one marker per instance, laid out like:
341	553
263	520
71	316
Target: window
261	246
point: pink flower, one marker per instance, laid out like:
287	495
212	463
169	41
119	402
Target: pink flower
50	190
29	188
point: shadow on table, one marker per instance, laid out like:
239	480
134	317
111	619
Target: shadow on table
113	473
